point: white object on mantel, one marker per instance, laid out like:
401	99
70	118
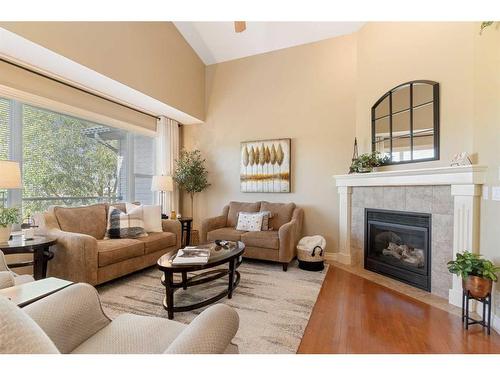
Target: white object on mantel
466	187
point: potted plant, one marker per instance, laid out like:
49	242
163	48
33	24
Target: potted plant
8	216
191	174
477	273
365	163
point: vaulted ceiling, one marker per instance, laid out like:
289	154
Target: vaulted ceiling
217	42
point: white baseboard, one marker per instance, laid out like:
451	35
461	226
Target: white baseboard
332	257
495	324
455	297
338	257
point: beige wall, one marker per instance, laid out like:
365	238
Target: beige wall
487	137
391	53
151	57
467	66
304	93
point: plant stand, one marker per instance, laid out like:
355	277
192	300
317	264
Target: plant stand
467	320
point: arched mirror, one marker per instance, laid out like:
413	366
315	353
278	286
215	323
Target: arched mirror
405	123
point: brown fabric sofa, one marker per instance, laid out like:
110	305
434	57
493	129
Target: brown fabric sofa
83	255
278	245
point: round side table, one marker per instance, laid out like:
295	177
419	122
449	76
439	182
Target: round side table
39	246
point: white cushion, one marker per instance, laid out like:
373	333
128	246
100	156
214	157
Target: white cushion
132	334
19	334
151	217
250	221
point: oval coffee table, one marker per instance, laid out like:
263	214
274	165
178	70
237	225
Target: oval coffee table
218	256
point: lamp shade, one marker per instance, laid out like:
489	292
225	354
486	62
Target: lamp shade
10	175
162	183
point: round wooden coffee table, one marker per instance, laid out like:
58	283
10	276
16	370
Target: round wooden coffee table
218	256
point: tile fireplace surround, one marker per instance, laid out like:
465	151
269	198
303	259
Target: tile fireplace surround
450	194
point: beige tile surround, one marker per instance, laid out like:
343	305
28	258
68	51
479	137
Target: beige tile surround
436	200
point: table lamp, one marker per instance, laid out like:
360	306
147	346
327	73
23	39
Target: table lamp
162	183
10	176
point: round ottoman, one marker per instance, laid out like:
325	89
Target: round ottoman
310	253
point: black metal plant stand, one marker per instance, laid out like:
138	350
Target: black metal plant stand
467	320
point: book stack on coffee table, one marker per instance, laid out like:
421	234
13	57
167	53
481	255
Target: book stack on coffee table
192	255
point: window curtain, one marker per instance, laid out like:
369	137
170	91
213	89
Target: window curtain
167	153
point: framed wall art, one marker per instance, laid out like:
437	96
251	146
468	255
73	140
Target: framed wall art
265	166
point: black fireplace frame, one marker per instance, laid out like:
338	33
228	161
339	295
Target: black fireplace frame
416	279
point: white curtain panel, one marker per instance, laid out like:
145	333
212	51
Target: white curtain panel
167	152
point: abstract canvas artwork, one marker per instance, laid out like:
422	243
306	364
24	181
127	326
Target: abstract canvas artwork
265	166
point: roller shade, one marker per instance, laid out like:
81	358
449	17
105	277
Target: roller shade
42	91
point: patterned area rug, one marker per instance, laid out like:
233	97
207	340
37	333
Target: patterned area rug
273	306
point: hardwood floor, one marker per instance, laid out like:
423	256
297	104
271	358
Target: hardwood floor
355	315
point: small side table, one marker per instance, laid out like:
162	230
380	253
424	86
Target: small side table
38	246
467	320
24	294
186	223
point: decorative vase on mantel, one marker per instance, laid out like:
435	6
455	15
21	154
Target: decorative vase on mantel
5	233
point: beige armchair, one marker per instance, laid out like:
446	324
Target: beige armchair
72	321
278	244
83	255
9	278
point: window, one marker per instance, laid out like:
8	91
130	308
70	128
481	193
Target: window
4	139
70	161
405	123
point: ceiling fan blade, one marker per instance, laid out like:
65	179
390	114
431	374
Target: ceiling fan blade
240	26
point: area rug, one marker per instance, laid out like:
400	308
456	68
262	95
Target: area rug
273	306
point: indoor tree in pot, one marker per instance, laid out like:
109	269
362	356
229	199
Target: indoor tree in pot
191	174
477	273
8	216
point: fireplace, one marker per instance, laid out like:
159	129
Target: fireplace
398	245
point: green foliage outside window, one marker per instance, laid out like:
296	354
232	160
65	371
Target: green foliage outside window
63	159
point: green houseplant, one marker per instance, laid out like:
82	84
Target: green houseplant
8	216
476	272
191	174
365	163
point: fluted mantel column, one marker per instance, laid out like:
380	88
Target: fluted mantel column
465	229
345	217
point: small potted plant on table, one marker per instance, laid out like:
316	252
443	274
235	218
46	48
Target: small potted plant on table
8	216
476	272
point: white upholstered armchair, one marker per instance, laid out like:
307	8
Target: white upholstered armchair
72	321
9	278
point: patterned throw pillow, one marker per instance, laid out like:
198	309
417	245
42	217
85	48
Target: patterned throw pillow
125	225
250	221
266	215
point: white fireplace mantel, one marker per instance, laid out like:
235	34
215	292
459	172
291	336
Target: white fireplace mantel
466	190
468	174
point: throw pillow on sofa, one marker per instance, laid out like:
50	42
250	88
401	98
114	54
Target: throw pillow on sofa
151	215
266	216
125	225
250	221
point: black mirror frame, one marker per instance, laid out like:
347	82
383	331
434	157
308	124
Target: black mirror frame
435	91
